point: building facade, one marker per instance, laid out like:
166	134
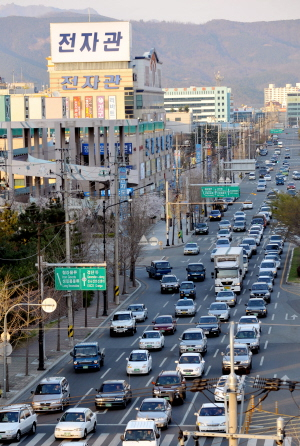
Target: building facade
279	94
208	104
293	108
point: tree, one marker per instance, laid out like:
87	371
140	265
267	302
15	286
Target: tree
286	210
186	108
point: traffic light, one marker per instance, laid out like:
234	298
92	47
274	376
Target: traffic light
199	384
241	175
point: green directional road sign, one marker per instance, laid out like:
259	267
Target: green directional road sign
80	278
220	191
276	131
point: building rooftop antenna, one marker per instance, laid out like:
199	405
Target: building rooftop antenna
218	78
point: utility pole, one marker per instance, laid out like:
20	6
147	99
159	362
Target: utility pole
41	298
167	213
232	398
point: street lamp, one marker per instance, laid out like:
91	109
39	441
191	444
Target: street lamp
48	305
104	247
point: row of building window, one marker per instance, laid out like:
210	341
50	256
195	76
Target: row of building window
167	93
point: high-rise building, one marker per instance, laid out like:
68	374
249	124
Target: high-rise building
279	94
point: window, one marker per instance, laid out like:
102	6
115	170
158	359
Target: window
177	119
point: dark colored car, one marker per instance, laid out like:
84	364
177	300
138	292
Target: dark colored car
113	393
187	289
170	385
196	271
260	289
291	192
165	323
201	228
279	182
215	215
169	284
210	325
256	307
239	226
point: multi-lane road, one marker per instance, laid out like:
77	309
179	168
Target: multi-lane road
278	356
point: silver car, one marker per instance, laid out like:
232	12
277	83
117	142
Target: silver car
219	309
249	321
249	336
193	340
191	248
51	393
157	409
185	307
139	312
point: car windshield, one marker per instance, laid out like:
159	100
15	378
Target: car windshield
139	435
47	389
189	360
267	265
238	351
191	336
185	303
225	294
218	307
225	223
214	411
248	320
207	320
73	416
201	225
224	231
135	308
151	335
259	286
187	286
162	264
194	268
9	417
215	212
226	273
223	242
191	245
121	317
111	387
136	356
163	380
239	223
168	279
256	303
150	406
164	320
245	335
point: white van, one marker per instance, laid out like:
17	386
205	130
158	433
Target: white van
143	433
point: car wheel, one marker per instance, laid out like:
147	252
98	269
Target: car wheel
33	429
125	403
132	332
111	333
85	434
102	362
18	436
95	427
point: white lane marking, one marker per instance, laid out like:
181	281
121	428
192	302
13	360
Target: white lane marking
262	360
273	315
199	308
240	300
150	381
216	352
120	356
251	274
166	304
211	287
132	406
191	405
105	373
137	339
174	346
223	338
278	294
244	291
235	310
205	297
49	440
192	319
207	371
167	439
100	440
270	329
116	441
266	344
275	306
248	281
102	413
254	265
36	438
162	362
81	399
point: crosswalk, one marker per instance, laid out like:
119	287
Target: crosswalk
167	439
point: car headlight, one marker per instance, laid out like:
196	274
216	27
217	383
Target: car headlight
155	391
79	429
197	369
118	399
95	362
254	343
245	362
11	431
75	362
129	366
144	365
160	419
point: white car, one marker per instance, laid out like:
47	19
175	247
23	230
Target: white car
224	233
259	228
17	420
76	423
152	340
190	364
249	321
267	280
239	214
252	176
220	388
245	263
219	309
274	257
185	307
191	248
224	224
266	209
261	188
268	177
247	205
139	362
268	265
211	417
256	235
227	296
139	312
223	243
157	409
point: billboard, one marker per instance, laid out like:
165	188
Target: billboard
77	106
90	42
101	107
88	106
112	109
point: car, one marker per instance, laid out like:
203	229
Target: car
268	265
170	385
261	188
252	242
247	248
122	322
279	181
212	254
196	271
139	362
225	224
275	257
267	280
242	359
139	311
191	365
268	176
165	323
227	296
191	248
252	176
267	209
291	192
210	325
262	181
223	384
223	243
256	235
201	228
239	214
224	233
152	340
113	393
169	284
256	307
249	321
248	204
259	228
76	423
215	215
187	289
17	420
185	307
266	215
193	340
245	262
273	248
249	336
52	393
287	156
269	274
239	226
290	185
211	417
220	310
240	219
296	176
157	409
276	238
229	200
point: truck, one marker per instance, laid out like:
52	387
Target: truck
229	269
158	268
87	356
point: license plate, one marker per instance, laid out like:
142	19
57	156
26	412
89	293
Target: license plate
67	434
44	408
170	289
149	346
255	314
188	373
85	367
183	312
108	404
226	287
190	349
136	370
166	397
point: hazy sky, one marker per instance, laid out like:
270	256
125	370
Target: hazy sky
196	11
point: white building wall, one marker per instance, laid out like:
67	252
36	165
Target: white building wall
279	94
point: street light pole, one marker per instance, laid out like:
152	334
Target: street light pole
41	297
